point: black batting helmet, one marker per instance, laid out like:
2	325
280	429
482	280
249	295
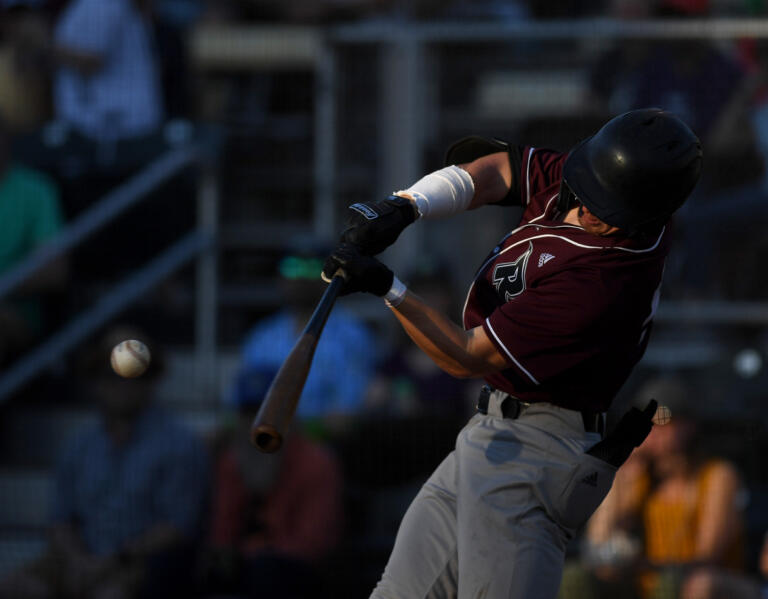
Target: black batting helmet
635	171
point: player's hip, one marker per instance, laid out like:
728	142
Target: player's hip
537	457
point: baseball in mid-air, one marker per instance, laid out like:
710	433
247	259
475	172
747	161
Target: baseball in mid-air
130	358
662	416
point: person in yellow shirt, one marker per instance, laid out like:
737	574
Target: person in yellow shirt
671	509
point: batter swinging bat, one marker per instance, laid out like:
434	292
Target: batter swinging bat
278	407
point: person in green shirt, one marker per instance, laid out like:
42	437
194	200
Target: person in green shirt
30	215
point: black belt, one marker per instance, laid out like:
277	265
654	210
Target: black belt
511	407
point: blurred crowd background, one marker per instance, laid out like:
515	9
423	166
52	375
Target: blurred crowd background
176	170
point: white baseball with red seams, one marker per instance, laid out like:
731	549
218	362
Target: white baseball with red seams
130	358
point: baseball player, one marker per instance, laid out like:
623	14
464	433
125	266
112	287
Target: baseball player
555	319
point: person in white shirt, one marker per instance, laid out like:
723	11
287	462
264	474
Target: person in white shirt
106	83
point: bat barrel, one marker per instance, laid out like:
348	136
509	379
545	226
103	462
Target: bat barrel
279	404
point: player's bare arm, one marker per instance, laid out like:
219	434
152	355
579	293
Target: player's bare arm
460	353
491	176
718	514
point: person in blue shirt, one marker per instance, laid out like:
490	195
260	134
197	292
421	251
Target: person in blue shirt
346	352
129	498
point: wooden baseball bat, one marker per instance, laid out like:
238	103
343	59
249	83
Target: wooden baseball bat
280	403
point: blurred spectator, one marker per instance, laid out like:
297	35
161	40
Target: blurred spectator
407	382
129	498
24	85
696	81
683	508
703	83
346	352
729	226
107	84
707	85
30	215
718	584
275	516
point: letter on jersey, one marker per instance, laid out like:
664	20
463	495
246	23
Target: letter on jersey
509	277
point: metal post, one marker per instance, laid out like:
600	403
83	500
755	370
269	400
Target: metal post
402	129
325	142
206	304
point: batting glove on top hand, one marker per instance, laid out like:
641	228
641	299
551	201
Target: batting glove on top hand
362	273
374	226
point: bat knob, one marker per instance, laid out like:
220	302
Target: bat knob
266	438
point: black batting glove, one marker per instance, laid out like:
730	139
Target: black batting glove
362	273
374	226
629	433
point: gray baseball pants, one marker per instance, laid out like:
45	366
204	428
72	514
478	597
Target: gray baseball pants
493	520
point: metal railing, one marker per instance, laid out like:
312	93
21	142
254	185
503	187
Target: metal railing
198	243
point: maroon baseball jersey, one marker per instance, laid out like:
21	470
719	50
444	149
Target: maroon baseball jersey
570	310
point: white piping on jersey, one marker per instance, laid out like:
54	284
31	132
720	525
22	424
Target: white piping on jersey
583	245
589	247
543	214
528	178
511	357
503	239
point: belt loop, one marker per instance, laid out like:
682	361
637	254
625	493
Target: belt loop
483	398
594	422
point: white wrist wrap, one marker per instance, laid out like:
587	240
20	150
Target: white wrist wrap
442	193
396	293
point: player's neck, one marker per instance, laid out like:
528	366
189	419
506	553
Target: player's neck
572	217
579	216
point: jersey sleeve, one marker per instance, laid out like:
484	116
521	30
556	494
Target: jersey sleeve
539	169
549	328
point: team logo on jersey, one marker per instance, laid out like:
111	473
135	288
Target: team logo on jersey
544	258
509	277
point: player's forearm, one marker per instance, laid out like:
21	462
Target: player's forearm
719	514
445	342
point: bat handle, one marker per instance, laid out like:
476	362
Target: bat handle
320	315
